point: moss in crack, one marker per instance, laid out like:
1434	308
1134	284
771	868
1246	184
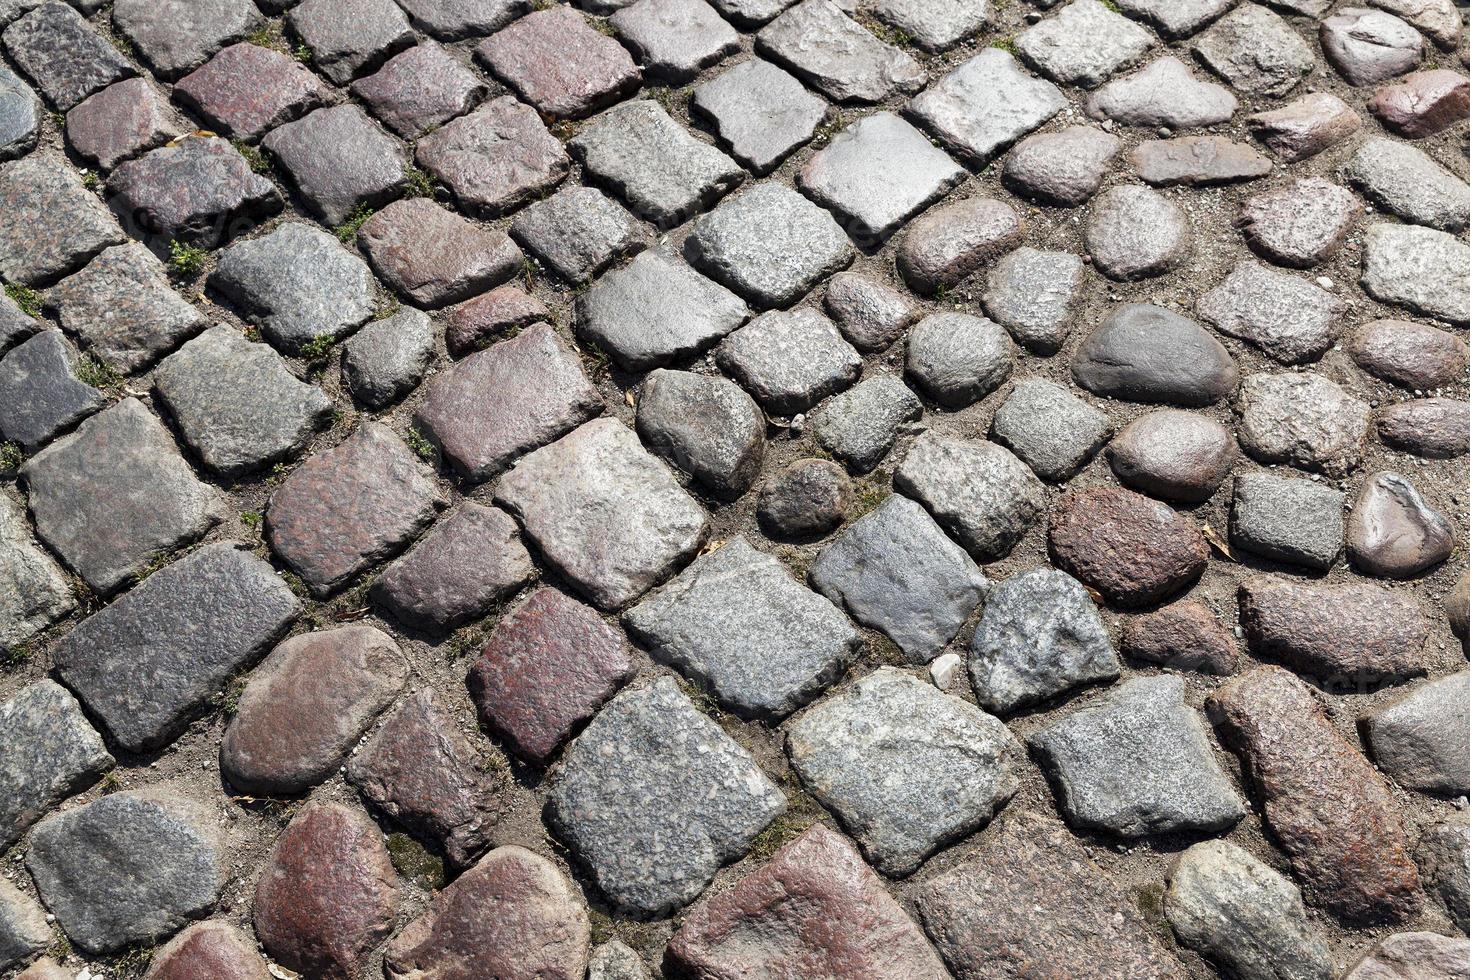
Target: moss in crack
414	862
98	374
253	156
346	232
319	348
187	261
417	183
801	812
26	298
11	456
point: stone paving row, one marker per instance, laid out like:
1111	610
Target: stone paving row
734	490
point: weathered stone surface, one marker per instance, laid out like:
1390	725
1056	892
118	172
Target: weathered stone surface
119	122
45	968
1136	233
1290	319
457	572
957	359
1255	51
1423	104
674	39
1326	806
296	284
1084	45
1394	532
1175	18
421	88
63	55
603	512
1444	862
177	35
1370	46
40	394
1408	182
615	960
737	624
876	174
452	20
960	766
1040	635
860	425
808	497
108	537
498	314
579	232
1064	168
539	927
1411	955
428	776
237	405
20	116
1197	161
327	895
1419	268
432	256
1301	224
706	426
496	158
322	523
1434	427
656	310
1422	739
15	324
654	797
24	931
1243	916
1304	420
50	224
1052	430
490	408
1173	455
339	161
246	90
981	494
984	914
1133	550
213	950
127	868
386	359
348	38
1137	762
33	591
760	112
894	570
985	105
1152	354
836	55
1184	636
53	753
789	360
148	662
549	665
199	189
1306	126
933	25
1289	520
949	243
559	64
1166	93
832	914
1031	293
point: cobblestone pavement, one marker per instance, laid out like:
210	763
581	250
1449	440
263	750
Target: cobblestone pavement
734	489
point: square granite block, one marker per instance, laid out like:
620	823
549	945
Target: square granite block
176	36
40	395
246	90
339	160
34	592
1085	44
420	89
760	112
837	56
120	122
199	190
20	116
496	158
790	359
579	232
50	224
1296	521
63	55
934	25
675	39
433	256
554	60
985	105
348	38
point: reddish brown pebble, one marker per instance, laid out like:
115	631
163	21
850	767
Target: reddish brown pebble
1354	634
1435	427
121	121
245	90
823	913
45	969
208	951
513	916
327	896
1327	807
432	256
1414	956
1133	550
472	325
947	244
549	665
1414	355
1424	103
1185	636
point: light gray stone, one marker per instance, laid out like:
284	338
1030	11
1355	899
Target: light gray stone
1165	93
1175	18
1424	270
1085	44
1173	455
760	112
1370	46
614	960
674	39
339	160
1031	293
985	105
1290	319
1302	419
1407	182
52	753
1422	739
957	359
836	55
33	591
1301	224
579	232
1152	354
860	425
1064	168
1052	430
1439	20
934	25
174	36
707	427
982	495
1255	51
20	116
1136	233
960	766
1197	161
1412	955
1289	520
386	359
790	360
24	931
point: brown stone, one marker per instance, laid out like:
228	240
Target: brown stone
1457	608
1393	532
1197	161
549	665
559	64
1414	956
432	256
820	914
1435	427
1351	634
944	246
422	771
327	896
1133	550
246	90
1423	104
419	89
1174	455
121	121
1300	224
306	706
472	325
1305	127
496	158
208	951
350	507
1033	906
45	969
198	189
504	401
1326	806
1414	355
1184	636
513	916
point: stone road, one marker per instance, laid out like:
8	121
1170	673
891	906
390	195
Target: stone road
734	490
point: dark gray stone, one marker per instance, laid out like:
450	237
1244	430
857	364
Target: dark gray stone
957	359
894	570
579	232
15	324
33	591
790	360
808	497
121	121
1064	168
870	314
1444	863
50	224
1166	93
174	36
653	797
860	425
837	56
985	105
1408	182
760	112
63	55
40	396
1084	45
1255	51
348	38
199	189
386	359
1424	270
339	160
982	495
707	427
1302	419
453	20
1290	319
52	753
1151	354
1052	430
1288	520
674	39
496	158
1031	293
1422	739
1136	233
146	664
20	116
